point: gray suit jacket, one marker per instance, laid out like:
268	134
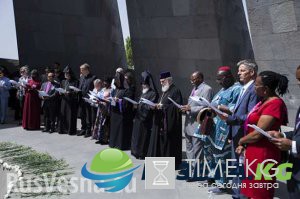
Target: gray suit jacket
205	91
295	136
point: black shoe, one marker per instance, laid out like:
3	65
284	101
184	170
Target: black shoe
104	143
51	131
87	135
45	130
81	133
98	142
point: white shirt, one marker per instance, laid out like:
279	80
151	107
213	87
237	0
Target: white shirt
246	86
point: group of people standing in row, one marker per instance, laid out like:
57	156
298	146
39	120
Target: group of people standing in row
154	128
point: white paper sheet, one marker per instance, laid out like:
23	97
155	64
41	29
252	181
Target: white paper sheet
74	88
175	103
61	90
207	103
43	94
90	101
261	131
13	82
145	101
130	100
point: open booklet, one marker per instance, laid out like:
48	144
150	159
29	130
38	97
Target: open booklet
261	131
61	90
14	83
43	94
74	88
175	103
204	101
90	101
145	101
130	100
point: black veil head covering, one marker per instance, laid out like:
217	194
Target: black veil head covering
119	78
69	70
146	78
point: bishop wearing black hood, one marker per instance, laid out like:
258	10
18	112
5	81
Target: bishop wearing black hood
69	104
121	120
144	118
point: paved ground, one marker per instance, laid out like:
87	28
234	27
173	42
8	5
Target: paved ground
78	150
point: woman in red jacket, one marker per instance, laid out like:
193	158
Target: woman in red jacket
269	114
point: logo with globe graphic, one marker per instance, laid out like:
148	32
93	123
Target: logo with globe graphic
111	169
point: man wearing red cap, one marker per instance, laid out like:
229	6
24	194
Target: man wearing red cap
166	137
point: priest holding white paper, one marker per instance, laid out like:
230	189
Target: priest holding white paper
143	118
166	136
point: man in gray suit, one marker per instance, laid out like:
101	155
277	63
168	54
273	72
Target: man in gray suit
290	141
201	89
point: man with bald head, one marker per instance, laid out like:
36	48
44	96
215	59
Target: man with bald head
200	89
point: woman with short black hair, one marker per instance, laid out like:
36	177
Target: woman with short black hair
269	114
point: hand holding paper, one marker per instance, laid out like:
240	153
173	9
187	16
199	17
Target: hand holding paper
261	131
14	83
175	103
61	90
204	101
43	94
74	88
130	100
145	101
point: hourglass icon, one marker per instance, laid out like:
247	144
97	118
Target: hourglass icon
160	179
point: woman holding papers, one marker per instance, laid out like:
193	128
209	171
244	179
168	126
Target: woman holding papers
69	104
32	103
143	119
23	80
121	115
97	91
101	128
269	114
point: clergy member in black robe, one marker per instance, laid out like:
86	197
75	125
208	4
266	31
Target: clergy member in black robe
166	136
86	84
144	118
69	104
121	120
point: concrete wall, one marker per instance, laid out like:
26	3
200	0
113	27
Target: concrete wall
274	26
184	36
71	32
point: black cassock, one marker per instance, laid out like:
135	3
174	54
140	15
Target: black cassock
142	126
121	120
69	107
166	135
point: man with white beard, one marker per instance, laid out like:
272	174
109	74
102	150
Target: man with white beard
142	123
166	136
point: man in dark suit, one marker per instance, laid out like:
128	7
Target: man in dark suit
247	71
85	85
290	141
50	102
